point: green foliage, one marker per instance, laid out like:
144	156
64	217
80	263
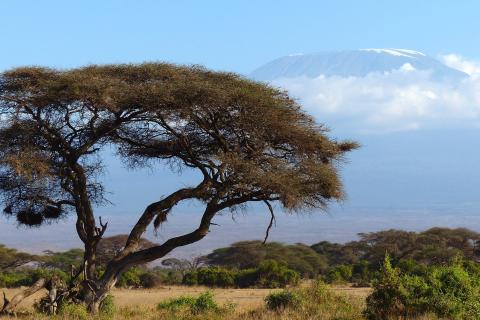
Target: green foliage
190	278
282	300
14	279
269	274
63	260
315	301
215	277
201	304
204	302
27	276
73	311
340	274
11	258
107	307
449	291
150	279
177	303
250	254
433	246
132	278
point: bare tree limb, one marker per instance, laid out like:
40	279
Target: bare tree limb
272	220
10	305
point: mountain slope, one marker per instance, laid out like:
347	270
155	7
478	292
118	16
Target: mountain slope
357	63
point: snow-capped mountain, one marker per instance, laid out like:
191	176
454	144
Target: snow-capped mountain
357	63
415	117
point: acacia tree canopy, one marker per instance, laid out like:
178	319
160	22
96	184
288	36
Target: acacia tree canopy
250	141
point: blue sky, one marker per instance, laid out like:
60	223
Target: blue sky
227	35
389	172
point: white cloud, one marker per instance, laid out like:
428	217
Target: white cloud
404	99
460	63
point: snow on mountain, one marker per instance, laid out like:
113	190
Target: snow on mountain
358	63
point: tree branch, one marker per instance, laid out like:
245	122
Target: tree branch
154	209
272	220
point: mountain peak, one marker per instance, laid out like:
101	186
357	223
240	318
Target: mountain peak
356	63
398	52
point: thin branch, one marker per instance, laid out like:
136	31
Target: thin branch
100	231
272	220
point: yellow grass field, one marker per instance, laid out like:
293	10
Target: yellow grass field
245	299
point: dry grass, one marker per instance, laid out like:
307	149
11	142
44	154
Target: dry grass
334	303
245	299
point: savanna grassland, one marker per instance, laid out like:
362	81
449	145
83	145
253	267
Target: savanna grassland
390	274
319	302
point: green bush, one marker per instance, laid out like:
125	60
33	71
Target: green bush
270	274
14	279
27	277
340	274
190	278
204	302
131	278
216	277
201	304
176	303
167	275
247	278
449	291
282	300
107	307
74	311
150	280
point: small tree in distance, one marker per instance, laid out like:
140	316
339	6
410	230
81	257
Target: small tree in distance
249	141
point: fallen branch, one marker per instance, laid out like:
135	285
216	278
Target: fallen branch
9	306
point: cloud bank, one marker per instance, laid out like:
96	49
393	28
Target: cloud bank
400	100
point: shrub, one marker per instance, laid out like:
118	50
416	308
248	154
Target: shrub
107	307
14	279
176	303
204	302
282	300
190	278
270	274
215	277
340	274
201	304
73	311
167	275
27	277
247	278
448	291
131	278
150	280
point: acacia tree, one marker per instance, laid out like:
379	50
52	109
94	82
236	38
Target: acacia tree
250	142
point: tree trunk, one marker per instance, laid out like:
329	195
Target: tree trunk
10	305
94	299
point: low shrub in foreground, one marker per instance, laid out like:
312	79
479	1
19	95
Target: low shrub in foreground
73	311
448	291
282	300
316	301
204	303
107	307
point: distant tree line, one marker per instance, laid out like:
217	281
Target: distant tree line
255	264
356	261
